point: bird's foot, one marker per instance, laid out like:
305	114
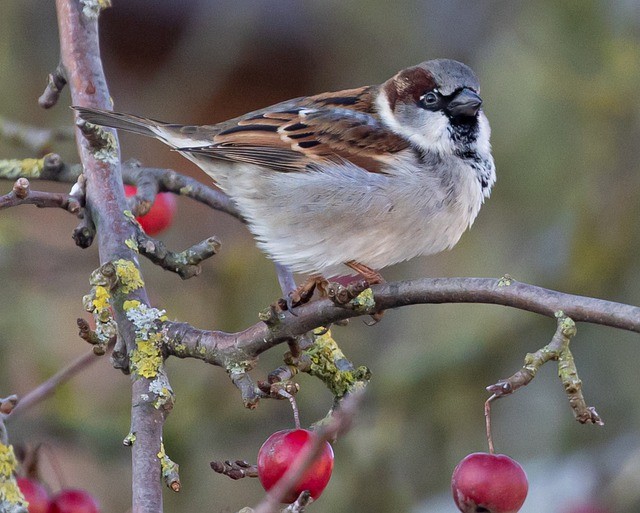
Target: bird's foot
303	293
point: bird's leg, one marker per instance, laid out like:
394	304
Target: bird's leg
373	277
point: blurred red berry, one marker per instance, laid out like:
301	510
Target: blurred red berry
493	483
278	453
35	494
73	501
160	215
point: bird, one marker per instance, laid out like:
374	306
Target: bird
352	181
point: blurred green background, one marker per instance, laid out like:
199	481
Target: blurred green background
560	83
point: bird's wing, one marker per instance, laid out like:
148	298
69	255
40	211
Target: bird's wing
299	134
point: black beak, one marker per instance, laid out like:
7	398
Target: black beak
466	103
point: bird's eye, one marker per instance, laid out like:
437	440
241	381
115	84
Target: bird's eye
430	99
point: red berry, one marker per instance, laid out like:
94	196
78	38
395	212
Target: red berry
278	453
160	215
491	483
74	501
35	494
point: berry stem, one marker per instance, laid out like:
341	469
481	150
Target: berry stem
296	413
487	420
294	406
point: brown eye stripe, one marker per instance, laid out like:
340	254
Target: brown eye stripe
408	86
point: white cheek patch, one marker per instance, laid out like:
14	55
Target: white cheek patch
430	131
434	134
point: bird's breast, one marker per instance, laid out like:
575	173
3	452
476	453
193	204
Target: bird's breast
315	221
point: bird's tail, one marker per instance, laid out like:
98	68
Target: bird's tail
128	122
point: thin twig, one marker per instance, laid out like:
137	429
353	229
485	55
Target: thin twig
162	180
169	180
55	84
185	264
22	194
235	470
48	387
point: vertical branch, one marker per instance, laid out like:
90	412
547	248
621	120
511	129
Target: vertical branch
80	57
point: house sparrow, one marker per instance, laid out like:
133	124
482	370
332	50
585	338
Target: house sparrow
366	177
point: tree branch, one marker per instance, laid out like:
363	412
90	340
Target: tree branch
508	292
185	264
105	201
149	181
23	195
224	349
168	180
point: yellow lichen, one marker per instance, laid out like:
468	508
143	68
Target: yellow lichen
128	275
9	491
327	364
164	395
101	298
31	168
91	8
146	358
7	461
505	281
27	168
169	469
129	440
132	245
130	303
364	300
11	494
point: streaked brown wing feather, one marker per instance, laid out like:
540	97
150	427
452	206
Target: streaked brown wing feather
339	126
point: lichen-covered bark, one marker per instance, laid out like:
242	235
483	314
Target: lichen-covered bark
105	201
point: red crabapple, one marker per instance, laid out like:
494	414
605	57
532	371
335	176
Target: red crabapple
160	215
489	483
278	453
74	501
35	494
